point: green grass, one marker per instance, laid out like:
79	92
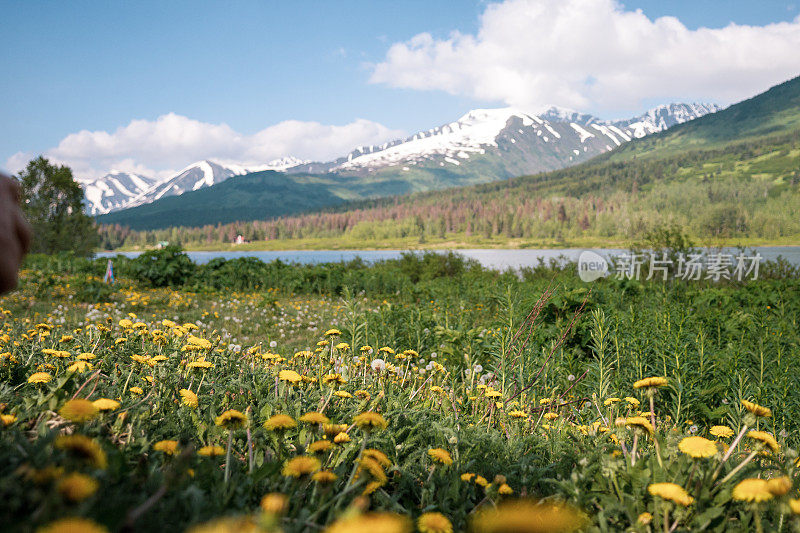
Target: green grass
715	343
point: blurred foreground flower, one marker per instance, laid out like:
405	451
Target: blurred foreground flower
527	516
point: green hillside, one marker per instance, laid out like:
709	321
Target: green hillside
250	197
774	111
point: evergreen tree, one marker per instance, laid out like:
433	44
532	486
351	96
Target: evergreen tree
53	204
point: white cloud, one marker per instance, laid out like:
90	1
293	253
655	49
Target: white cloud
593	54
160	147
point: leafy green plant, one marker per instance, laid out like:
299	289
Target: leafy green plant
168	267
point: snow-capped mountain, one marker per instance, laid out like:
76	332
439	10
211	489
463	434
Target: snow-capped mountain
665	116
556	134
195	176
483	145
118	190
114	191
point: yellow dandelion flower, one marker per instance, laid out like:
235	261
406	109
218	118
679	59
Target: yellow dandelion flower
779	486
136	390
82	448
481	481
371	487
525	516
274	503
640	421
756	409
371	523
672	492
40	377
550	416
370	420
188	398
106	404
331	332
231	419
211	451
467	477
320	446
341	438
645	518
752	490
440	455
79	366
766	438
794	505
633	402
279	422
650	383
331	430
505	489
434	523
229	524
290	375
73	525
721	431
197	341
378	456
77	487
697	447
169	447
141	359
300	466
333	379
8	419
324	477
372	467
78	410
313	417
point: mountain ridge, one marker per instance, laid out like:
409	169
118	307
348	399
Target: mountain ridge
104	196
482	145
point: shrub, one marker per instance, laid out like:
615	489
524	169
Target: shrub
168	267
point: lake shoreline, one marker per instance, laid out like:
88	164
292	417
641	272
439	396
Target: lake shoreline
331	245
492	258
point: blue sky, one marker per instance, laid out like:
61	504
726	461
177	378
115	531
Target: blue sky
73	66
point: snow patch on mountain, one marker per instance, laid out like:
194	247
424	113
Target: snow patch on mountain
118	190
480	129
469	134
113	191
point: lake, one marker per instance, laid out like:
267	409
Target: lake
496	259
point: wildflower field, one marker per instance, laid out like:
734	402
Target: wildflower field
423	394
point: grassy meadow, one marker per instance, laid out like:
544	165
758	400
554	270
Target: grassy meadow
420	394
